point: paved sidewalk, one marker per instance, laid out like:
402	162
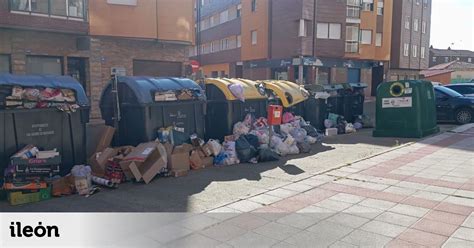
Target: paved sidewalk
421	195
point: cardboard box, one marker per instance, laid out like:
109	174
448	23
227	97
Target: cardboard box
195	160
138	156
105	139
98	161
63	186
178	157
154	164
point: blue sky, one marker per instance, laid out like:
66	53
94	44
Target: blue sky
452	21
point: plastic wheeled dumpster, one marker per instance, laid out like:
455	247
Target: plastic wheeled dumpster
405	109
353	98
316	107
288	94
47	127
335	100
149	103
224	109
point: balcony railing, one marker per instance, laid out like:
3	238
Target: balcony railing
64	9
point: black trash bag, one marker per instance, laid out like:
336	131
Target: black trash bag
311	131
253	140
245	151
304	147
341	128
267	155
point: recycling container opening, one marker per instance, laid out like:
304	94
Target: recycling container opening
229	101
149	103
49	112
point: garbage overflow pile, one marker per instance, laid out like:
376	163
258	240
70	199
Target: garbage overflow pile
16	97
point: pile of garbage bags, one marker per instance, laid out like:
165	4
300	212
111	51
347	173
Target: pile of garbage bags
337	122
253	140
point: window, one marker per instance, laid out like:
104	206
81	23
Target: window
434	59
366	37
254	37
422	52
4	63
423	27
58	7
68	8
378	39
224	16
239	10
406	48
44	65
417	2
239	41
446	59
407	22
368	5
380	7
469	60
334	31
328	31
224	44
254	5
352	39
415	51
415	25
214	20
303	29
322	31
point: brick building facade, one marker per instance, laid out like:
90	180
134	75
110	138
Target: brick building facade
88	48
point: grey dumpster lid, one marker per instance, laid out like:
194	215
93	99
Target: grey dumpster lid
145	87
47	81
333	87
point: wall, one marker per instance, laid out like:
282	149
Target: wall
383	53
255	21
257	73
208	69
111	52
21	43
158	19
333	12
442	78
176	20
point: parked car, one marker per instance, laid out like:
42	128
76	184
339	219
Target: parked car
466	89
452	106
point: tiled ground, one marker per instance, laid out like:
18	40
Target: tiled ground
420	195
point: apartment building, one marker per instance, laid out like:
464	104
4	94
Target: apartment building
308	41
442	56
410	38
87	39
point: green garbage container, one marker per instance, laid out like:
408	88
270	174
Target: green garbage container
316	107
405	109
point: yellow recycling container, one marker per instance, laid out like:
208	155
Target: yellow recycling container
224	109
288	93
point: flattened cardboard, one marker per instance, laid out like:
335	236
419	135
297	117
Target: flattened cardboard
153	165
105	139
138	156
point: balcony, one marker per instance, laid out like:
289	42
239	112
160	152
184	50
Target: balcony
353	10
60	9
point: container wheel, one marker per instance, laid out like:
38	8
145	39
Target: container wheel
463	116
